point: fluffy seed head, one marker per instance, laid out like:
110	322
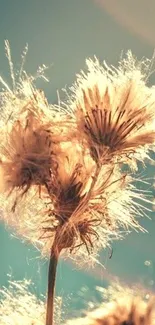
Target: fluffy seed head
115	109
69	187
83	208
26	157
126	306
91	216
126	311
19	306
30	130
65	198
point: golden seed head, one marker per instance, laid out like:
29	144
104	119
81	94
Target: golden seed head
19	306
114	110
27	154
63	171
124	306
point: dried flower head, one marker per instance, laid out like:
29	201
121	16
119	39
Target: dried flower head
69	190
61	175
87	215
19	306
26	157
69	210
126	311
114	109
56	193
31	133
125	307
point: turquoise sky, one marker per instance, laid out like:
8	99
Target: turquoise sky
63	33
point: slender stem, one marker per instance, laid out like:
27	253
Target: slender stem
51	286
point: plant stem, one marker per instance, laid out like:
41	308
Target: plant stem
51	286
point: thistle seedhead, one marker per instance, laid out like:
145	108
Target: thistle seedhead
60	181
26	155
83	208
29	146
126	311
86	216
124	306
19	306
114	110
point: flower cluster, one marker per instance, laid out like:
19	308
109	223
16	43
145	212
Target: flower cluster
61	170
67	176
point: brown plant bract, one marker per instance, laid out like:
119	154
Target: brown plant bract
114	110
